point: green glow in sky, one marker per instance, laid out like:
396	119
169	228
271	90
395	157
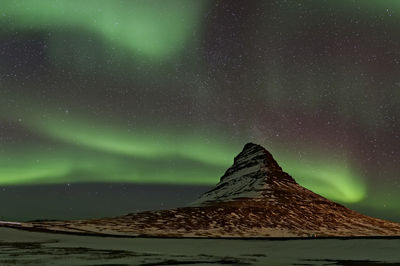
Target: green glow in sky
130	141
27	167
91	150
169	91
387	200
64	164
156	29
120	156
41	165
333	180
324	172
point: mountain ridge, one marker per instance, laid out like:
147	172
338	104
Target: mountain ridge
250	176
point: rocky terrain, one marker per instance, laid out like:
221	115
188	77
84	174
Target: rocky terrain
254	198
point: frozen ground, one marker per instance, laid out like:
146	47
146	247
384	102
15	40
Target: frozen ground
32	248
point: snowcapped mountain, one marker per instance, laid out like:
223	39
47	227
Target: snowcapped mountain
254	174
254	198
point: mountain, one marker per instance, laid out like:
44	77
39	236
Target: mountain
254	198
254	175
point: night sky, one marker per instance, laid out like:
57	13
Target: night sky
161	92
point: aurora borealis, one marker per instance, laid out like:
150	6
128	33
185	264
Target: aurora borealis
168	92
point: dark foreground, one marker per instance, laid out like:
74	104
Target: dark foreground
33	248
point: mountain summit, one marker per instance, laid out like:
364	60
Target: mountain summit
254	198
254	174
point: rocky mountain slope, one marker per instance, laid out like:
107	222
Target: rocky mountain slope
254	175
254	198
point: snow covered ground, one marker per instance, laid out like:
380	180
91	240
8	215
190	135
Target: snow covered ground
32	248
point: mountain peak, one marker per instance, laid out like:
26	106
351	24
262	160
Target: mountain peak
251	145
257	154
254	174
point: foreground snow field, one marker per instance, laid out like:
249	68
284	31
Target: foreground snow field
32	248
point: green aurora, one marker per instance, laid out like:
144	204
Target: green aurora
60	146
103	152
155	29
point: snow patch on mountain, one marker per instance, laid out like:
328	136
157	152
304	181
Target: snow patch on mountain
250	176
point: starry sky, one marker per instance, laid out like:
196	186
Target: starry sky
166	93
